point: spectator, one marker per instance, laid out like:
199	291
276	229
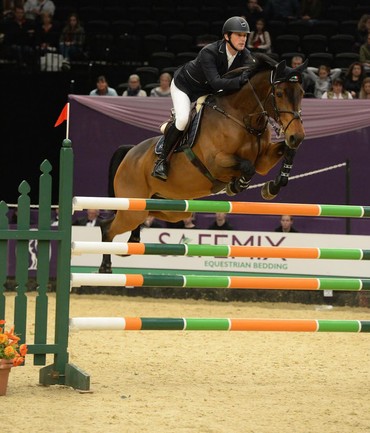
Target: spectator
19	38
34	9
8	8
322	78
189	222
353	79
365	54
286	225
47	34
163	90
134	87
365	89
284	10
221	222
259	40
72	41
254	13
307	82
311	11
337	91
91	219
152	222
102	88
363	30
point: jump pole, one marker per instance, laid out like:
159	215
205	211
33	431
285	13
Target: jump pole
220	282
232	207
215	324
82	247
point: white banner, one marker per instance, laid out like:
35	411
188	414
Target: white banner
344	268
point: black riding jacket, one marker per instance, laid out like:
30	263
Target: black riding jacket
203	75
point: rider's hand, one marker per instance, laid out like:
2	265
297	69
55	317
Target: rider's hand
244	77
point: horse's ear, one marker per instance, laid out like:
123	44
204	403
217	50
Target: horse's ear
279	71
302	67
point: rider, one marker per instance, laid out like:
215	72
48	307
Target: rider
204	75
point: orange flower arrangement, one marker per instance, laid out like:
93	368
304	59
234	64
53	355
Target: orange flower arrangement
9	347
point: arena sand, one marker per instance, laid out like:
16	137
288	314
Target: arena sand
198	382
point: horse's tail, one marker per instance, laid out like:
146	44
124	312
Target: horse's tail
114	163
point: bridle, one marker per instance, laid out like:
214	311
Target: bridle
275	121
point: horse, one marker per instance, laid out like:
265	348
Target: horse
232	143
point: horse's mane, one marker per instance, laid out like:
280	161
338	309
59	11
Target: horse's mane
259	62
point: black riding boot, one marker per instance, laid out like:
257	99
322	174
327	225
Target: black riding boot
161	167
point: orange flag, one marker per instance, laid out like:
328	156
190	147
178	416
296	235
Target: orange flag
63	115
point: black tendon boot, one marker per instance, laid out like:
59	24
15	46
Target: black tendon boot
160	170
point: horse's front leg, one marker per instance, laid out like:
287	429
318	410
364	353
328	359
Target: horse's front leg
270	189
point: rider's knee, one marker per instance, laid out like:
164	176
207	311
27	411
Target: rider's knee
181	122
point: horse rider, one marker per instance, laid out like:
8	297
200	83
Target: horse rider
202	76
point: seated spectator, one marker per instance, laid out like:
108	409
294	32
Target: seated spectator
34	9
259	40
163	90
102	88
307	83
47	34
353	79
72	41
19	38
365	89
221	222
91	219
365	54
337	91
363	30
311	11
8	8
284	10
189	222
286	225
134	87
152	222
322	77
253	13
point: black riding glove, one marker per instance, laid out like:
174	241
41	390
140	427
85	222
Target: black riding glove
244	78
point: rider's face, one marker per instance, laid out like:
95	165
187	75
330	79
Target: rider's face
238	40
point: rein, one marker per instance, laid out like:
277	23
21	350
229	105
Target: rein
258	132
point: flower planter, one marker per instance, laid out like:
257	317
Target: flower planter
5	368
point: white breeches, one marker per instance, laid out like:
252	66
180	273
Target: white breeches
181	105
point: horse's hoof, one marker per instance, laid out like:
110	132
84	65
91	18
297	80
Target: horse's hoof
265	192
229	190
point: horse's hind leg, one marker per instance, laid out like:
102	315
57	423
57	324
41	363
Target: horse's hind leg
106	264
115	226
270	189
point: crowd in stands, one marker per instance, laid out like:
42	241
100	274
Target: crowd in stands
161	35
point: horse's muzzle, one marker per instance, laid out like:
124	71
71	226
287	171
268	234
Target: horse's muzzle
294	140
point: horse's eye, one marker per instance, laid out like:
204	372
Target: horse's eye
279	93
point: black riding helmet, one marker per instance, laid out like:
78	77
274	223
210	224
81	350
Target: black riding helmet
235	25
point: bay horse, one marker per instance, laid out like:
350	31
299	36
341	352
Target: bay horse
232	143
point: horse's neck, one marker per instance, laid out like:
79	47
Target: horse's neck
252	95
